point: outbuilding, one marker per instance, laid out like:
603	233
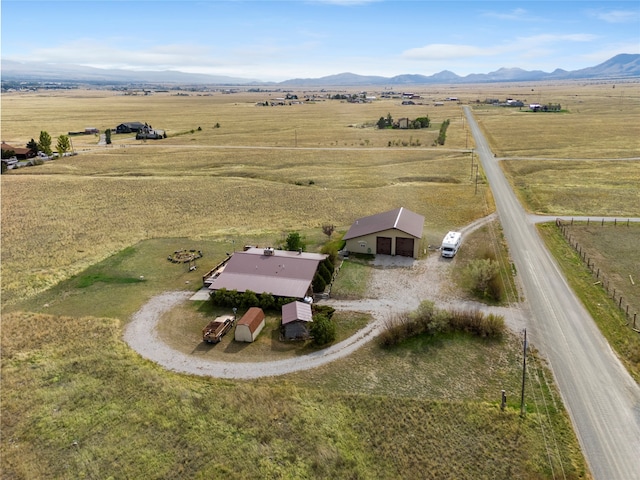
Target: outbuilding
250	325
296	317
397	232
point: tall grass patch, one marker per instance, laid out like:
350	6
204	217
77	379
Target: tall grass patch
428	319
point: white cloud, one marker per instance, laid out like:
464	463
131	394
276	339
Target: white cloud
525	45
609	51
516	14
443	51
103	54
616	16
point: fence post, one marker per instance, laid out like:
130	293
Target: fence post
602	224
620	303
587	222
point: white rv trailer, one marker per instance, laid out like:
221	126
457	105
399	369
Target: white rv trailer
451	244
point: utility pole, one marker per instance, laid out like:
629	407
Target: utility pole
472	164
476	180
524	372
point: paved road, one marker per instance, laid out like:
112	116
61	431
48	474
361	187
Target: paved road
601	397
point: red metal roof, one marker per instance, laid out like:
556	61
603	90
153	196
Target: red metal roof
283	273
252	319
296	311
400	219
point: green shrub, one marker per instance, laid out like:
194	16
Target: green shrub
294	242
325	310
480	273
249	299
267	302
324	272
427	319
331	248
318	284
323	330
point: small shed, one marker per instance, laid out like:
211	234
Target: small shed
250	325
296	317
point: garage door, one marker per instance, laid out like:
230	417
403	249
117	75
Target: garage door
383	245
404	246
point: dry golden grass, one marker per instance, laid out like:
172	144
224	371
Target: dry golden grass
600	122
63	216
318	123
587	187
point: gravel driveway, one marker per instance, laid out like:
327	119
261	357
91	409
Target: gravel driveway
398	284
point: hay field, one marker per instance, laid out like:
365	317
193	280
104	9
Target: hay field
320	122
584	160
60	217
598	121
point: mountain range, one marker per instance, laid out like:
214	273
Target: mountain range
622	66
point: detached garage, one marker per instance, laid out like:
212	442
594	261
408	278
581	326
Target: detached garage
397	232
250	325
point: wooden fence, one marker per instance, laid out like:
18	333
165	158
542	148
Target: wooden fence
601	280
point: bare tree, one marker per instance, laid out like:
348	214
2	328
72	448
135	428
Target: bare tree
328	230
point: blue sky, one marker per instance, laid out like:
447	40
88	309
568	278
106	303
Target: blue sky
278	40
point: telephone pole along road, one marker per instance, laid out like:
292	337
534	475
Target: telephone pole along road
600	395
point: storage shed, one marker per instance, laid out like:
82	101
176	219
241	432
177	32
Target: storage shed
296	317
397	232
250	325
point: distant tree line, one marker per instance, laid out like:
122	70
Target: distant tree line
387	122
